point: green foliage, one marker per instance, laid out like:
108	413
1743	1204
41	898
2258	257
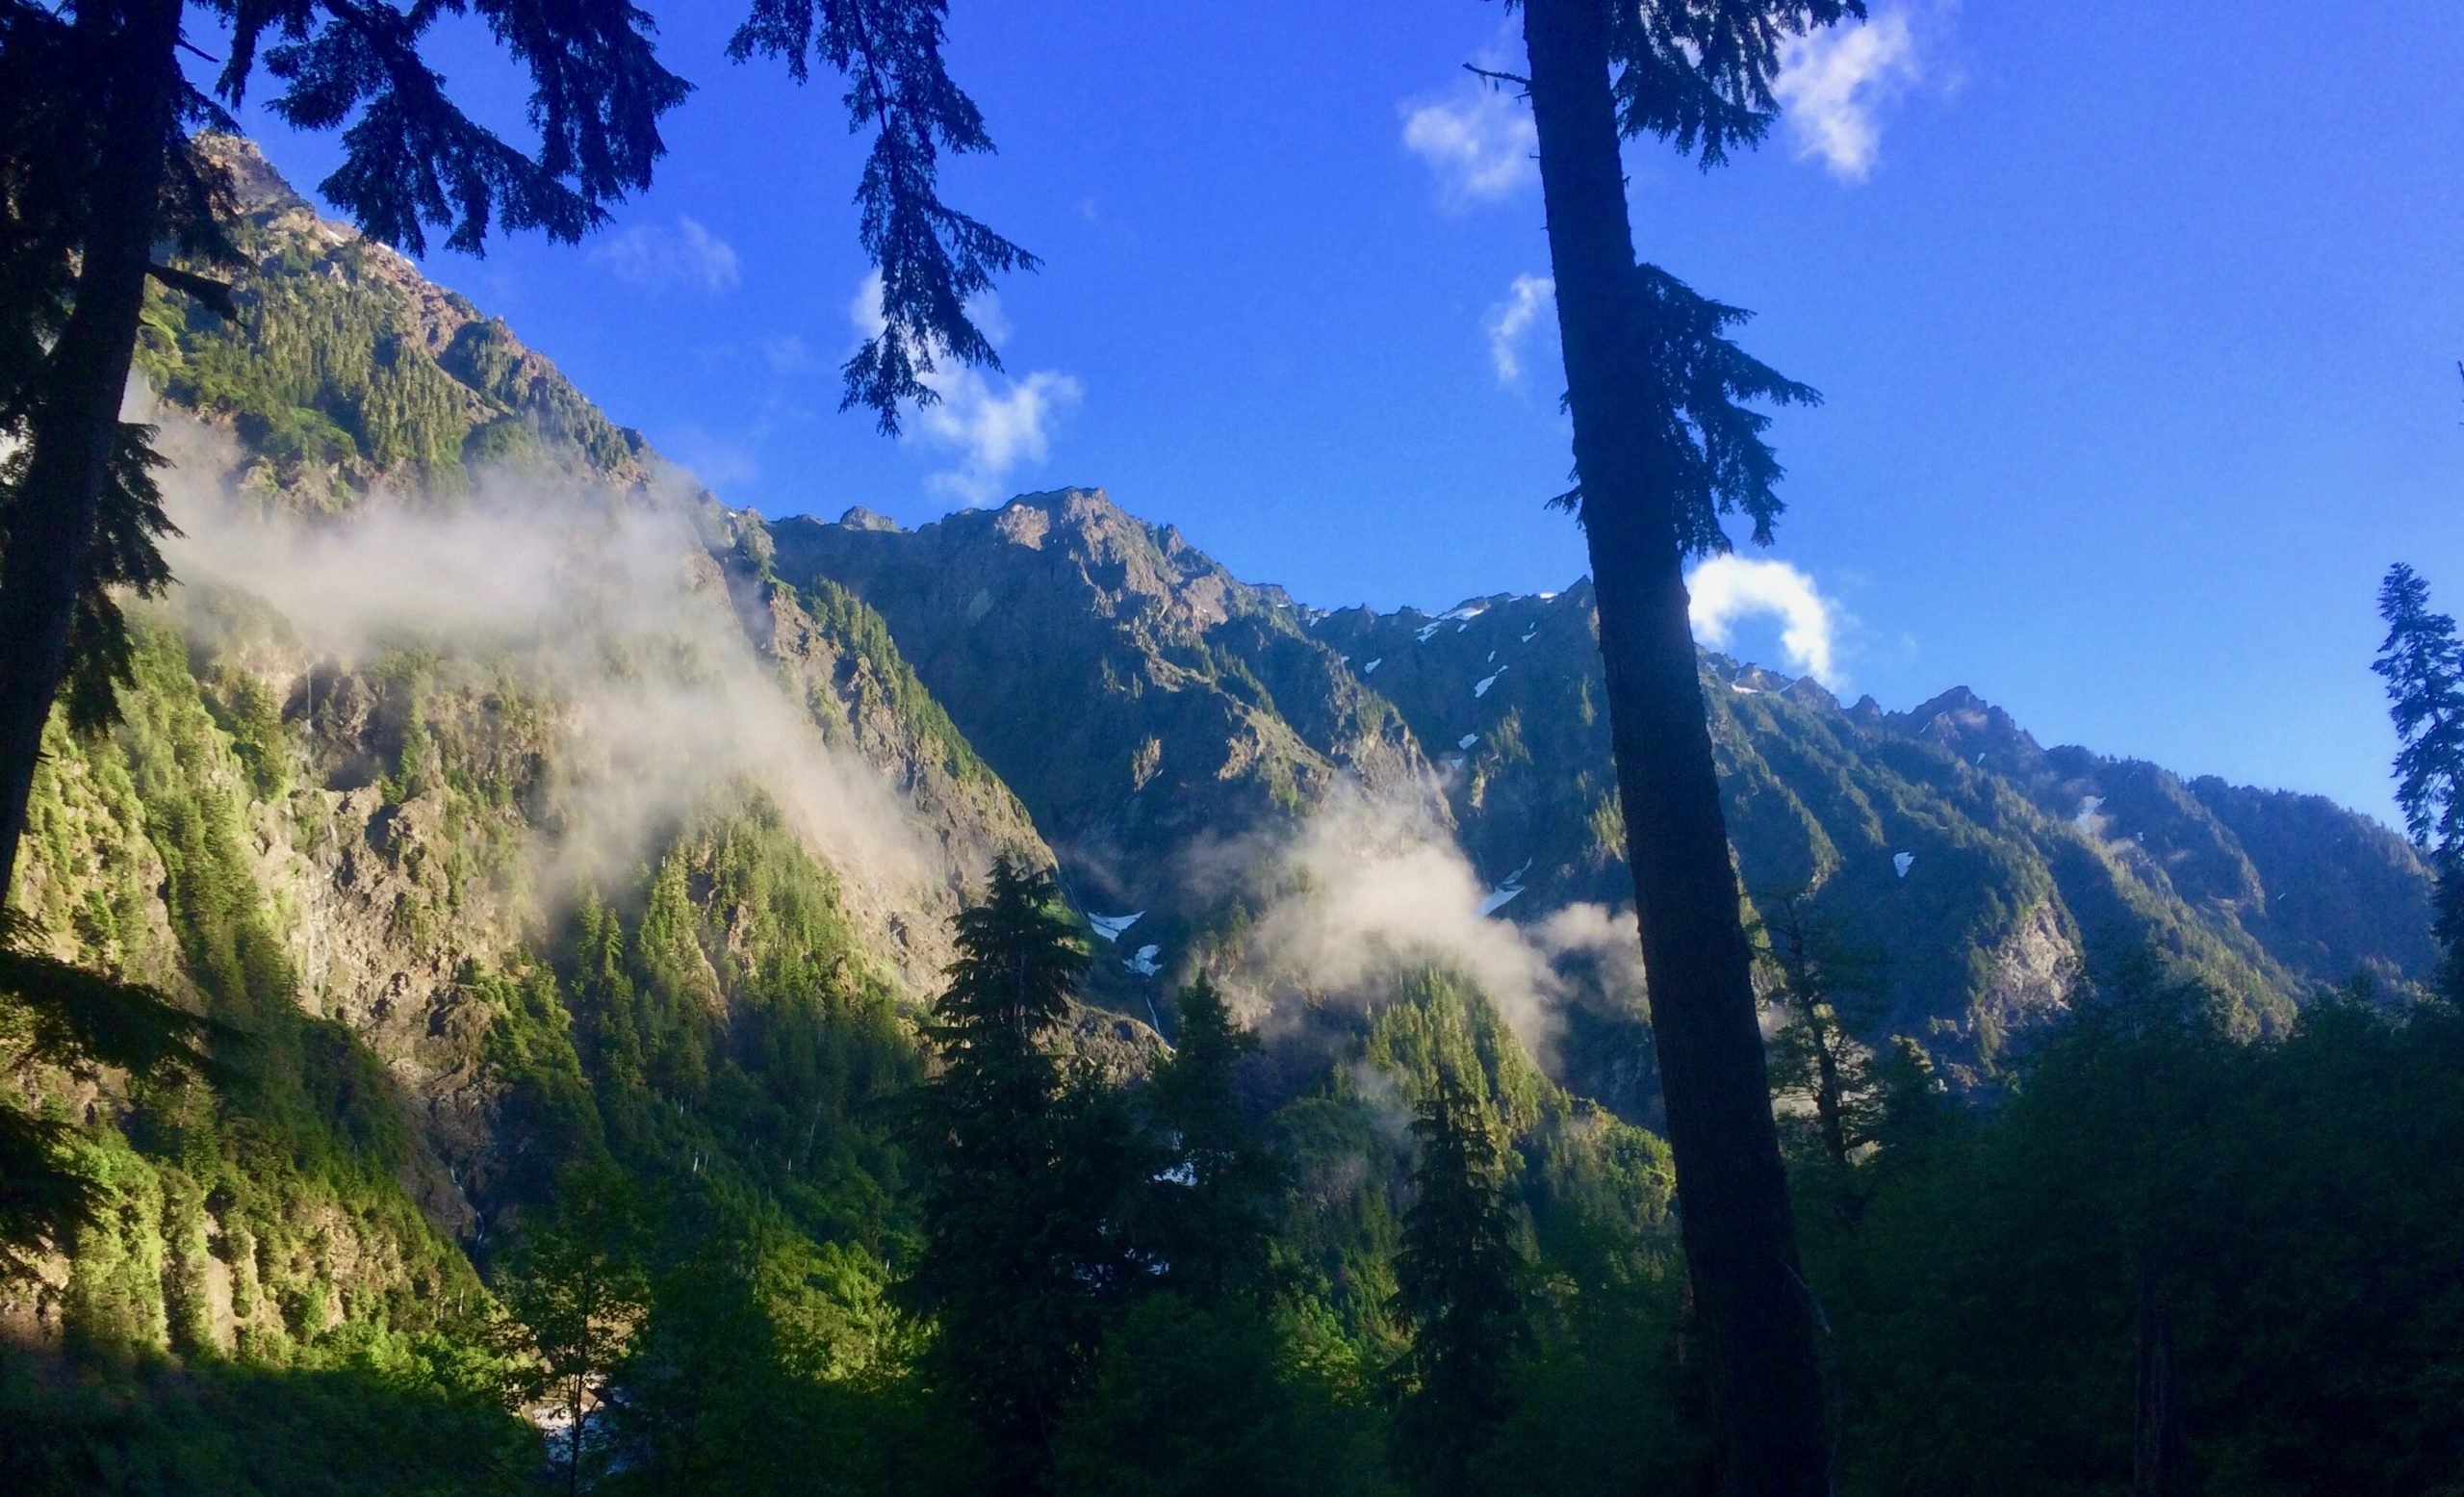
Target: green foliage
1826	991
2422	663
1025	1175
1193	1402
876	670
547	411
574	1299
2296	1202
374	1413
319	370
1214	1218
287	1162
1461	1277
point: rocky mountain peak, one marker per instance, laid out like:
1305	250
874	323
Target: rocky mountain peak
256	186
860	518
1968	725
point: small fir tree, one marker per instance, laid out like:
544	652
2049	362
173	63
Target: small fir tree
2422	665
1215	1210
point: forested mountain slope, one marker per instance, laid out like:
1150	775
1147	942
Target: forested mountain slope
1188	707
481	769
550	838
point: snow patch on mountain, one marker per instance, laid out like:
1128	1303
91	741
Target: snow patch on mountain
1110	926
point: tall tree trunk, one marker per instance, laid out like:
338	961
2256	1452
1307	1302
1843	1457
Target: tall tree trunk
2160	1454
1732	1193
51	527
1829	1106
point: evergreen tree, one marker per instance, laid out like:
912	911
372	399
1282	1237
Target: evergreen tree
1459	1281
1025	1171
99	165
2422	663
1825	989
1663	445
1215	1196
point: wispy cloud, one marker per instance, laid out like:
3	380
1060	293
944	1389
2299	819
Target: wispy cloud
787	355
1511	321
992	430
1832	83
1477	139
719	462
1728	588
659	256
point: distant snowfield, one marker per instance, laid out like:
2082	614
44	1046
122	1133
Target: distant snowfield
1499	897
1110	926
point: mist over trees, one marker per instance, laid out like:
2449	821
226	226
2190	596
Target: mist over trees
513	1000
98	165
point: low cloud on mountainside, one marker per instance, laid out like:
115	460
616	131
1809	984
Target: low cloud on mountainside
607	609
1370	888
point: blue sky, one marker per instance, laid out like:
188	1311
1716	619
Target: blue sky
2138	324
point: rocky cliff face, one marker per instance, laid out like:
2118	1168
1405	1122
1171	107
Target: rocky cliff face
2025	867
1152	712
443	628
508	762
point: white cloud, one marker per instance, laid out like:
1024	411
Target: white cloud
717	461
1727	588
992	429
686	255
995	432
1511	319
1478	141
1832	82
1374	887
787	355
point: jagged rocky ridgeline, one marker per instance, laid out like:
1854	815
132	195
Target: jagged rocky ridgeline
1149	706
822	732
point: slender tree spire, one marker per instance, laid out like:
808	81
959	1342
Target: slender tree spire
1660	447
2422	663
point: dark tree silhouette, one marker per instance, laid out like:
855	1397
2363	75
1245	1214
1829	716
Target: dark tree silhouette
1024	1172
1825	989
1662	446
2422	663
1215	1207
1459	1280
97	168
